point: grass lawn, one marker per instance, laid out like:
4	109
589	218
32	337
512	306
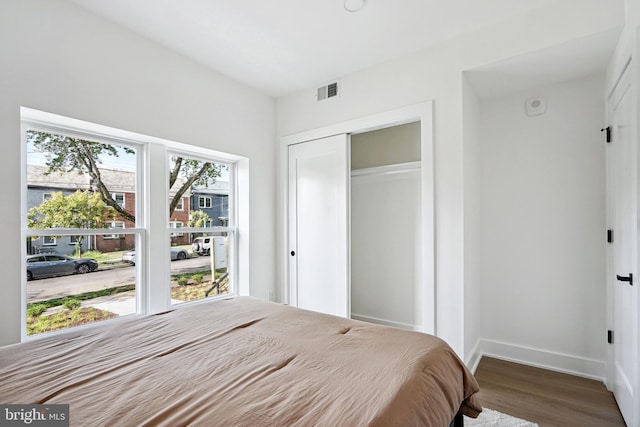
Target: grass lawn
195	289
66	319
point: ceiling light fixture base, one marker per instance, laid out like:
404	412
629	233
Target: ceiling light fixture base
354	5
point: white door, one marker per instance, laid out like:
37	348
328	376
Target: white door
318	225
624	278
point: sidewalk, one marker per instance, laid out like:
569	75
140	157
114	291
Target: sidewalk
121	304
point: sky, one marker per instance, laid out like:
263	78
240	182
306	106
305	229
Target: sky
124	161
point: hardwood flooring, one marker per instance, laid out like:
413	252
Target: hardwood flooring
545	397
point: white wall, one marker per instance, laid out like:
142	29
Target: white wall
435	74
542	221
472	225
58	58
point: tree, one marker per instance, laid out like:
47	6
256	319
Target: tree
67	154
81	210
198	219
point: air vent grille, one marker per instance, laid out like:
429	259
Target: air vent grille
328	91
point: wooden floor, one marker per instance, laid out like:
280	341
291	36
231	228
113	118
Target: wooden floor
545	397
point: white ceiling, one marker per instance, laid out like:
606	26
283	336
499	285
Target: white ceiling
562	62
282	46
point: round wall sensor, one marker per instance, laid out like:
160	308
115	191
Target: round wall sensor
535	106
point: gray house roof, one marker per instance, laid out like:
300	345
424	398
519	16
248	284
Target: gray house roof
218	187
117	181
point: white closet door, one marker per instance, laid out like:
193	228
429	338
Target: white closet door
318	225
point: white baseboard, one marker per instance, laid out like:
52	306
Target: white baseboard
474	358
383	322
565	363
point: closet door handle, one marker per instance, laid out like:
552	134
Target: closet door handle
628	278
293	253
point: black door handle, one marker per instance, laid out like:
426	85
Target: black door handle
628	278
293	253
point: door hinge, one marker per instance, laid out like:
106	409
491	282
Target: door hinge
628	279
609	236
608	132
610	336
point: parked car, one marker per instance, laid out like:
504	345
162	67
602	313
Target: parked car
48	265
176	254
202	245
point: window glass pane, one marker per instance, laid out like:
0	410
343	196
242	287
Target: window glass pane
191	264
64	291
205	185
78	276
202	185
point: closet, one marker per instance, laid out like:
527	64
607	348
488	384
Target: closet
386	225
359	231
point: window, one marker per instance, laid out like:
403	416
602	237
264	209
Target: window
176	224
204	202
215	247
114	225
48	241
136	239
119	199
76	213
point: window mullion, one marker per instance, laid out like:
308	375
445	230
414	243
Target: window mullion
157	218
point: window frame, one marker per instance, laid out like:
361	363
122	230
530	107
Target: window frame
33	120
112	226
152	272
174	225
231	230
53	241
208	199
115	199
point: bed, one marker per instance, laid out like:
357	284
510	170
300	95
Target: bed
241	361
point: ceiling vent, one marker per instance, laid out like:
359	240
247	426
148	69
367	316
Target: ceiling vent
328	91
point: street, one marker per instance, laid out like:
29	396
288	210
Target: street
62	286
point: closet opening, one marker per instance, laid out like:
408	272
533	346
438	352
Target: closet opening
386	226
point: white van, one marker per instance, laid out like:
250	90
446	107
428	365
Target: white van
202	246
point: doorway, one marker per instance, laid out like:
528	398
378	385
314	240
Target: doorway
386	225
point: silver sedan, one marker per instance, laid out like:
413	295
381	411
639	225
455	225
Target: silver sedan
176	254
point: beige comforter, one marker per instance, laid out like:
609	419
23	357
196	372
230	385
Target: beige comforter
240	362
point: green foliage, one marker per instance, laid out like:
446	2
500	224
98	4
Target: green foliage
198	219
71	303
66	319
36	310
66	154
81	209
182	281
197	277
